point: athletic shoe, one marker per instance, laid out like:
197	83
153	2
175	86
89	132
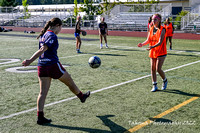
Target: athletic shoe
101	47
85	96
107	46
154	88
43	120
78	52
164	86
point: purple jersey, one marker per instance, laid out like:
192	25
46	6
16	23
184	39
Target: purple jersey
49	57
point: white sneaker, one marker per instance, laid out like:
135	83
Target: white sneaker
154	88
101	47
164	86
107	46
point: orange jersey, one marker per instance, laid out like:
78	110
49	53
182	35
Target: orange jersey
154	39
169	29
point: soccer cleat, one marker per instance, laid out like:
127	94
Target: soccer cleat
78	52
154	88
107	46
85	96
43	120
164	86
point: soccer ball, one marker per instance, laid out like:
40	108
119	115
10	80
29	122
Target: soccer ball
84	33
94	62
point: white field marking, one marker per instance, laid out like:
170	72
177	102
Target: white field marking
26	47
59	58
22	38
11	65
8	61
16	69
143	48
109	87
184	51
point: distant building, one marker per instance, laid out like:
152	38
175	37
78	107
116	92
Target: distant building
177	5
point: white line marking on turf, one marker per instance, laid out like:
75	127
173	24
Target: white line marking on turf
71	98
8	61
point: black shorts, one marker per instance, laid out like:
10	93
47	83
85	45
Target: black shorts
163	55
103	34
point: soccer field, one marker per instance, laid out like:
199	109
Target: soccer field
121	100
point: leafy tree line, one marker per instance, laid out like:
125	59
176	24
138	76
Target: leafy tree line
49	2
37	2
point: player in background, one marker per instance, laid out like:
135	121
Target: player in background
77	34
49	66
157	50
150	24
103	32
169	30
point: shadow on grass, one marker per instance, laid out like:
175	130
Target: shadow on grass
183	55
120	49
34	36
114	128
189	51
180	92
105	54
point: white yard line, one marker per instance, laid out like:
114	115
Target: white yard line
99	90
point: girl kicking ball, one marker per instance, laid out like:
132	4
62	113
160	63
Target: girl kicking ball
49	67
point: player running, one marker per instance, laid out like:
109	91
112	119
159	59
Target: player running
49	67
157	50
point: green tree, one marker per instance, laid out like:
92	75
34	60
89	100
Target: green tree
178	18
91	9
7	3
75	8
25	5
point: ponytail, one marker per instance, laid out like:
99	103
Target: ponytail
47	25
51	23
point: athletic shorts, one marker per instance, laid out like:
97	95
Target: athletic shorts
76	34
103	34
54	71
163	55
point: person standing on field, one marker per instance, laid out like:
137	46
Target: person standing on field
50	67
157	50
77	34
170	31
103	32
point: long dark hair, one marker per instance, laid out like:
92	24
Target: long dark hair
50	23
167	21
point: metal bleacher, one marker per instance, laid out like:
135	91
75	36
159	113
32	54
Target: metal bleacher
135	17
129	21
40	19
191	21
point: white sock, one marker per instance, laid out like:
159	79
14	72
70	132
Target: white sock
154	83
